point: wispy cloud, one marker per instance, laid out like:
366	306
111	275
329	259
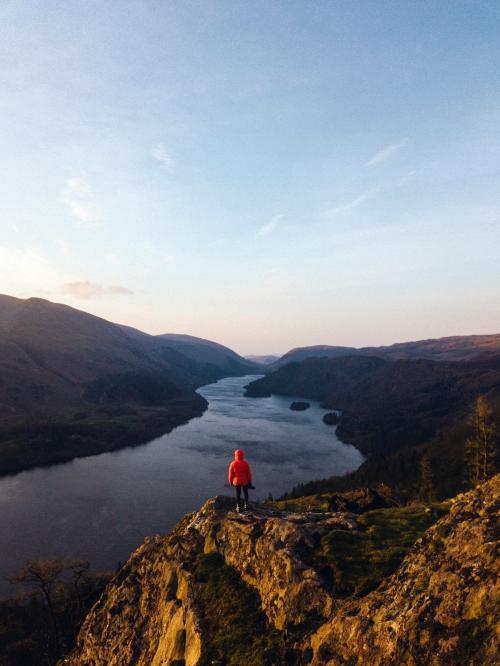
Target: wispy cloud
86	290
79	199
271	226
385	153
161	154
348	206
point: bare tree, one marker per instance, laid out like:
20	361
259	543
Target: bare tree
43	576
78	569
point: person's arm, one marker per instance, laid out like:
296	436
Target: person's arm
249	475
230	475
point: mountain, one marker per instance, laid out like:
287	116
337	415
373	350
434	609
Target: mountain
265	359
317	351
211	354
394	411
454	348
73	384
386	587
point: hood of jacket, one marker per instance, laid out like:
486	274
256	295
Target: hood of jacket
239	454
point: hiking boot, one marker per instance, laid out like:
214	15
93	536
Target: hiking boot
245	507
237	508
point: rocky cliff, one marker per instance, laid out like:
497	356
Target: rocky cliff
266	587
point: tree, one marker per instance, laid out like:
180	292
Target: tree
480	447
78	569
43	576
426	491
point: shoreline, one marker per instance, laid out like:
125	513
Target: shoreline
51	443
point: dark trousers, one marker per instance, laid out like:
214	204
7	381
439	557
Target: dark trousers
238	494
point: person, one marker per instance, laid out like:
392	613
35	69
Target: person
240	476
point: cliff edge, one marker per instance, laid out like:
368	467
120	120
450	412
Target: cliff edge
269	587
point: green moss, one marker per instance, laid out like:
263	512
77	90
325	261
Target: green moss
361	559
318	503
237	629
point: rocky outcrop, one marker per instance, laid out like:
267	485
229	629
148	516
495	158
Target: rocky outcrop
440	607
148	614
271	549
437	608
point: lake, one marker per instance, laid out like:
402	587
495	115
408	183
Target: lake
100	508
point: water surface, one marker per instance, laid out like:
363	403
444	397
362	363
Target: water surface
101	508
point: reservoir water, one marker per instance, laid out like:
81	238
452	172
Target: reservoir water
100	508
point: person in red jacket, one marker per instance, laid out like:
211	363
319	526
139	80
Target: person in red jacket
240	476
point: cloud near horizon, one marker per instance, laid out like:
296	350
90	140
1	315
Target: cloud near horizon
78	197
385	153
87	290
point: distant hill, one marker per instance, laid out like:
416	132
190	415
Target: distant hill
266	359
75	384
454	348
317	351
394	411
205	352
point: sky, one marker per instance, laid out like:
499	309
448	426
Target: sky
263	174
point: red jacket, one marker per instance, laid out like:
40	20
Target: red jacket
239	470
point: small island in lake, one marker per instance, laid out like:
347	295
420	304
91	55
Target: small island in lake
332	418
299	406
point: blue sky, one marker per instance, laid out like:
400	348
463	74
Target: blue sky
265	174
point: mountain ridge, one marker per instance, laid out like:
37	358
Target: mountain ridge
74	384
448	348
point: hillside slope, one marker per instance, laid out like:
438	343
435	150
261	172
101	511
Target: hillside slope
389	408
212	354
451	348
264	588
56	352
73	384
316	351
265	359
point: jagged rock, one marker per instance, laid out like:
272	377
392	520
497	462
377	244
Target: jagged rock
147	616
363	499
440	607
437	608
269	549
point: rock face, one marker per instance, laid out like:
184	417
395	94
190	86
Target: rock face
148	614
437	608
440	607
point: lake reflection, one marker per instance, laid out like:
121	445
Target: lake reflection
101	508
